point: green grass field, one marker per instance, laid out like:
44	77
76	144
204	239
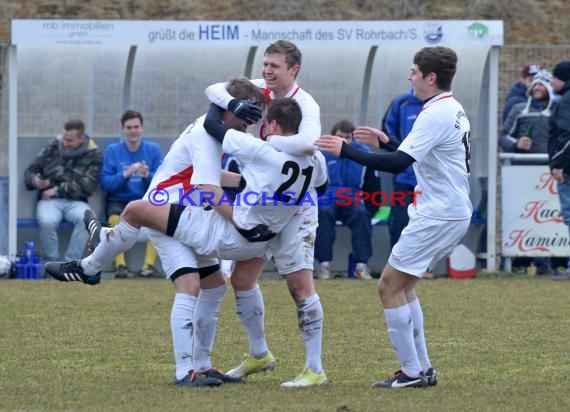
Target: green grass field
497	343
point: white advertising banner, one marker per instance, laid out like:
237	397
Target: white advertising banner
531	221
165	32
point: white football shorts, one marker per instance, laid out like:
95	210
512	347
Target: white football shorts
210	234
293	249
424	242
175	255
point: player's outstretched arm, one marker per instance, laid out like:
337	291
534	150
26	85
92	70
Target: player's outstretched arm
394	162
370	136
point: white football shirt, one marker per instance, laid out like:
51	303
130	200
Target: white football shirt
172	180
300	144
440	143
267	172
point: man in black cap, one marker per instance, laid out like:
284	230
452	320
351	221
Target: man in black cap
559	142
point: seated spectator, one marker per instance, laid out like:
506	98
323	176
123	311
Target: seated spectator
525	130
517	93
128	169
65	174
349	177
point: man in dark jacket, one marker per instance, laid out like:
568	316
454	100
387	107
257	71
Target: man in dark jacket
559	141
65	173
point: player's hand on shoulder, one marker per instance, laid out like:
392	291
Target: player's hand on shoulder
330	144
245	110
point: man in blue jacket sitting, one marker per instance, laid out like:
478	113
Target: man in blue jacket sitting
341	202
128	169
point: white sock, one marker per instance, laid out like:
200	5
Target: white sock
205	323
419	335
310	315
113	241
182	332
251	311
401	333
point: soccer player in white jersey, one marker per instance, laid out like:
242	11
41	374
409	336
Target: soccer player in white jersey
189	273
207	232
439	148
281	65
197	294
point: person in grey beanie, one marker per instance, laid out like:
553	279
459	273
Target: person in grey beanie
559	142
527	124
526	131
517	93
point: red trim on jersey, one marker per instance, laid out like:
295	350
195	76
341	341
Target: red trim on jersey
267	94
182	178
295	92
438	99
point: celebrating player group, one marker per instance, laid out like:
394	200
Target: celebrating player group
282	161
